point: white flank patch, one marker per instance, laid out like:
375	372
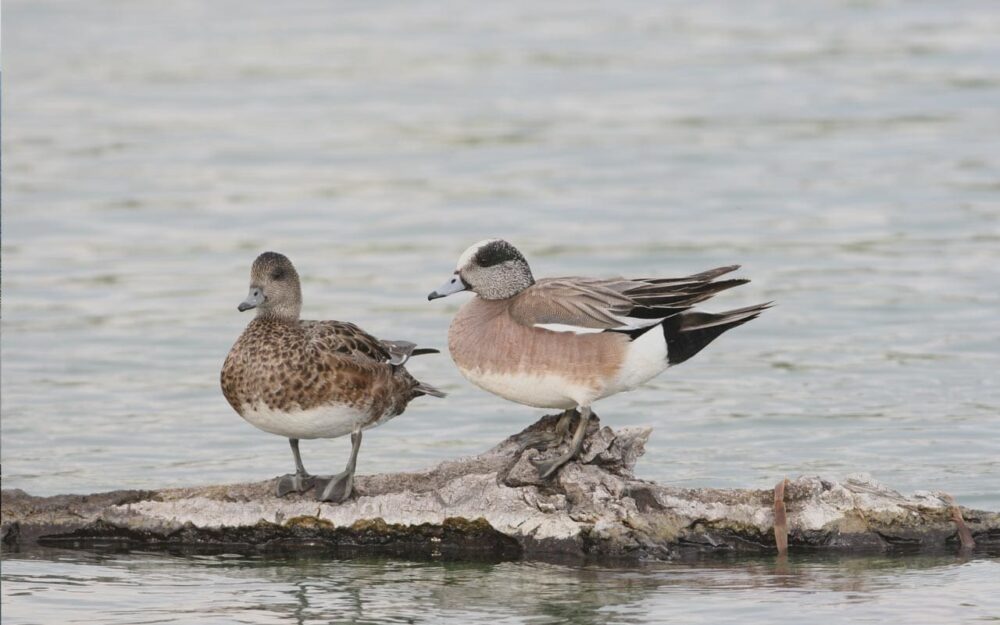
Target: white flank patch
645	359
539	390
323	422
562	327
635	323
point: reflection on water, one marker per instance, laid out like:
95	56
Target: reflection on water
143	588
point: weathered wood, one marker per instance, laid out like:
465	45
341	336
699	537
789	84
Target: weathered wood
494	506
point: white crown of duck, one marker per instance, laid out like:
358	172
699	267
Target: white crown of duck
313	379
568	342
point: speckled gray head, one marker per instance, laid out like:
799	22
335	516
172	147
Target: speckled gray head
492	269
274	287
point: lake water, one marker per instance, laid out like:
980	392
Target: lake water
845	153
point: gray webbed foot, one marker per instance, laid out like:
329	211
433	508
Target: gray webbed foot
548	468
298	482
337	488
538	440
545	439
293	483
334	488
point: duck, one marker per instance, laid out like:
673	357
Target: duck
304	379
568	342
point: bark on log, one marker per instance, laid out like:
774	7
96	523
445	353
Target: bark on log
494	506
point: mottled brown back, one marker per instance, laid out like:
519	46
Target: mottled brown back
288	365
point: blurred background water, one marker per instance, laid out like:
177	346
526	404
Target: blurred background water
845	152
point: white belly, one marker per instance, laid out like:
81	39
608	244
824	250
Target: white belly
323	422
539	390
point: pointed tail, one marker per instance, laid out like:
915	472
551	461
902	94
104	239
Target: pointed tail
423	388
690	332
401	351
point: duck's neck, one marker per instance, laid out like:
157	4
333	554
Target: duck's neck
286	314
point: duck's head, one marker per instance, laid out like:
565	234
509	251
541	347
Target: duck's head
274	287
492	269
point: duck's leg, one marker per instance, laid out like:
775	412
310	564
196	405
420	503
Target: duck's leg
564	423
547	468
337	488
297	482
544	440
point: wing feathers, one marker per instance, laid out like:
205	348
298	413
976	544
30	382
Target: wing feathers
618	304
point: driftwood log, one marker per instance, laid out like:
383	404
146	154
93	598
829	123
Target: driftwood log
494	506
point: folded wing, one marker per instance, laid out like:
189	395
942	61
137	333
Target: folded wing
584	305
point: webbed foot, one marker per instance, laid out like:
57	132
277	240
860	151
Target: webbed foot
334	488
293	483
545	439
548	468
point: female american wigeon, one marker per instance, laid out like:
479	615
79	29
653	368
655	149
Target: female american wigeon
567	342
313	379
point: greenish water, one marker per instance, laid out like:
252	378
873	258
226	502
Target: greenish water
843	152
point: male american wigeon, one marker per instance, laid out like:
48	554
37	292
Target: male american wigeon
567	342
313	379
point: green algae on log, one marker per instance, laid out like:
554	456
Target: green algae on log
494	506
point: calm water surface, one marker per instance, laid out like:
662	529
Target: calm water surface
144	588
844	152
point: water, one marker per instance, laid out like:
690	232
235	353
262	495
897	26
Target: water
143	588
843	152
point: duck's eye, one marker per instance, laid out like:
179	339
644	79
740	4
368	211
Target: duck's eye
278	274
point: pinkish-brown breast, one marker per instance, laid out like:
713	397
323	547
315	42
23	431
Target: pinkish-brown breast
483	337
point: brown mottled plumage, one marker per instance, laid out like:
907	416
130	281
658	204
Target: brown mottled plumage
291	365
312	379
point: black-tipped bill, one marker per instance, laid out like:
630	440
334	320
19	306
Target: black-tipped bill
454	285
254	299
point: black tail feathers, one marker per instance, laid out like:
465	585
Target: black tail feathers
688	333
